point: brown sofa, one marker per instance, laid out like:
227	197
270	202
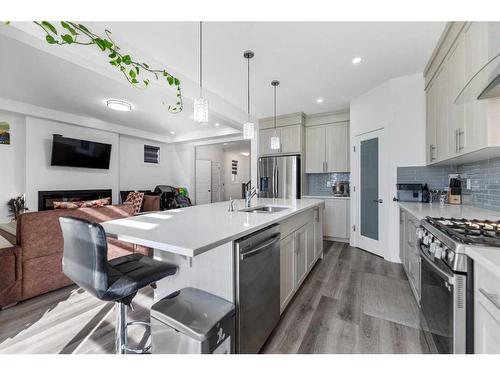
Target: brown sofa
34	265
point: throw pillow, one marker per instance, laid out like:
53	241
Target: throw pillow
136	199
66	205
96	203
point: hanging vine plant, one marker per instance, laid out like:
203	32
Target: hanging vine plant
137	73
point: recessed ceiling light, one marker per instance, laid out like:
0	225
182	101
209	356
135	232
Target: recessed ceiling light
245	153
172	132
217	124
319	100
356	60
118	105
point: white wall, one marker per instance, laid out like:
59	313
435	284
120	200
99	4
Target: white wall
40	175
134	173
397	106
12	162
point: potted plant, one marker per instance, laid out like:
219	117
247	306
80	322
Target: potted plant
16	206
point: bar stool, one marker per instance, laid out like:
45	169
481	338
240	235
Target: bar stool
85	262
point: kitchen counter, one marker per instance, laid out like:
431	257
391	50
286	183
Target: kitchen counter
323	197
191	231
422	210
488	257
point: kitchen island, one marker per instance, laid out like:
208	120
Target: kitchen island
200	241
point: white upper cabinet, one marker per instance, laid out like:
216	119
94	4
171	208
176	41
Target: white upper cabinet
290	140
460	126
327	148
337	148
315	149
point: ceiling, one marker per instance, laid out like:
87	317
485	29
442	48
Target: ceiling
311	59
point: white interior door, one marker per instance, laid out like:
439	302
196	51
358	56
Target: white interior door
203	181
371	193
217	192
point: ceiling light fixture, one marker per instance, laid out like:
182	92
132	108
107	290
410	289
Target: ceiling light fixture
200	109
248	127
245	153
356	60
172	132
118	105
319	100
275	139
216	124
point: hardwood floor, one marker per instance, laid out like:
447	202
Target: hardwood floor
352	302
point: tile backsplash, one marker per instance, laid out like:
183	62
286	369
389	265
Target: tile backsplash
484	179
317	182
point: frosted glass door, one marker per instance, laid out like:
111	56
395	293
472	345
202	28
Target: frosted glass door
369	194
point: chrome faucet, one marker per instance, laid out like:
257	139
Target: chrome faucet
249	194
231	205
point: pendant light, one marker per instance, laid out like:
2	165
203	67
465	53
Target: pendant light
200	110
248	127
275	139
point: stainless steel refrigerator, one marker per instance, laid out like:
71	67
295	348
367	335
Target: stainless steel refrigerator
279	177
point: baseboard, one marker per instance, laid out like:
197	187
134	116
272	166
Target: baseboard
336	239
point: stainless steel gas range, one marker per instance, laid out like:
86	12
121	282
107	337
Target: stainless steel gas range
446	279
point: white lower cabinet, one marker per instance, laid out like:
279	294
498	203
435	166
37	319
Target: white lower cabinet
336	220
409	253
300	248
301	255
287	270
486	312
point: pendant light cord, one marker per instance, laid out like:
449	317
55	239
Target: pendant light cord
248	88
274	107
201	56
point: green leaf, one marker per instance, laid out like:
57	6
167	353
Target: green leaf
177	82
132	74
100	43
7	23
83	27
134	81
145	65
68	27
49	26
146	82
50	39
119	60
67	38
126	59
113	62
137	69
112	55
170	80
108	44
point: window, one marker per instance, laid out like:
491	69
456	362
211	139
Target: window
151	154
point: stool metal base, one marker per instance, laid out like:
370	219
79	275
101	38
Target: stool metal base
121	337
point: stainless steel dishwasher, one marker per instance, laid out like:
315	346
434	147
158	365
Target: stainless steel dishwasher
257	273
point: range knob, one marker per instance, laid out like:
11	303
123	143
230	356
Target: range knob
439	252
450	256
420	233
427	239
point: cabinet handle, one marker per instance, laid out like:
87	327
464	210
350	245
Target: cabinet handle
460	147
432	153
456	141
493	298
326	166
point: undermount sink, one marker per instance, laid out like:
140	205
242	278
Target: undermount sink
265	209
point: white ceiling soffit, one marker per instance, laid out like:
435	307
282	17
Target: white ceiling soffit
311	59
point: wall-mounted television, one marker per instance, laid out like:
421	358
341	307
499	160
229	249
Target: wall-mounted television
70	152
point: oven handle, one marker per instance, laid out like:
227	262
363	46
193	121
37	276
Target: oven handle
439	271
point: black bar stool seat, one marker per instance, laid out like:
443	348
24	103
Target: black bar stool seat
85	262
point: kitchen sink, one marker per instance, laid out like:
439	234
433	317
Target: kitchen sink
265	209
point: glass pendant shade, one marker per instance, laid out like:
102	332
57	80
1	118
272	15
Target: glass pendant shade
275	142
248	130
200	112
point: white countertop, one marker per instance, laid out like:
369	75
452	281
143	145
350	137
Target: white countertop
323	197
488	257
421	210
194	230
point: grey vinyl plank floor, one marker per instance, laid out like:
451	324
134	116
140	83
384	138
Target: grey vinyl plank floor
351	302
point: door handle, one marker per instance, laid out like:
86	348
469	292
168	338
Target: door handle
378	201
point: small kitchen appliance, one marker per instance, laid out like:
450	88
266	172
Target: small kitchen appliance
410	192
340	188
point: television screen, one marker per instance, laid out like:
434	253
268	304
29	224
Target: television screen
72	152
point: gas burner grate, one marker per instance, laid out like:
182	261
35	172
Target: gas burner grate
471	232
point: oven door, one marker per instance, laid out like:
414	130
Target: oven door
437	303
